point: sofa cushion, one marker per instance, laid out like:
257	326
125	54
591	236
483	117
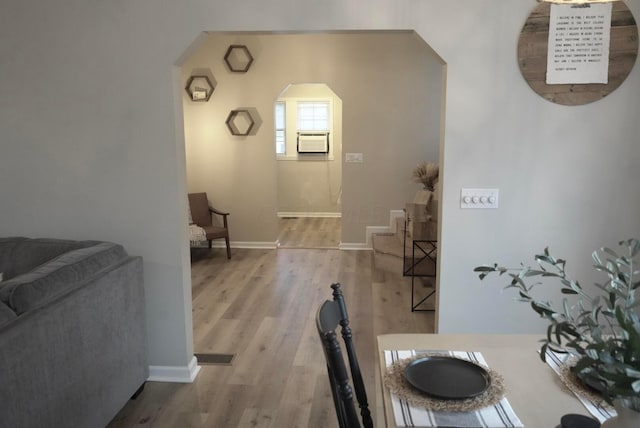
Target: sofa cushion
58	276
19	255
6	314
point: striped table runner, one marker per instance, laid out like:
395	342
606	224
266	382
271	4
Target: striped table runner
408	415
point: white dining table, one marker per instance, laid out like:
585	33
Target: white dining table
534	390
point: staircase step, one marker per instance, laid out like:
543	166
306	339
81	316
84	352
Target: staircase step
387	243
390	255
400	230
387	253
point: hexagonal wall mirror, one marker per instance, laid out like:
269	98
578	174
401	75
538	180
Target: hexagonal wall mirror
199	88
240	122
238	58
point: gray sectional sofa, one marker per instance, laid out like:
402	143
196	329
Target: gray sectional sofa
72	332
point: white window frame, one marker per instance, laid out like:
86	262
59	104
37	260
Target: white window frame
313	116
280	146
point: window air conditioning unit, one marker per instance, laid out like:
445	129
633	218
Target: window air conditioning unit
313	142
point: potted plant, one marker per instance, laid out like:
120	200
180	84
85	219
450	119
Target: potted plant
602	331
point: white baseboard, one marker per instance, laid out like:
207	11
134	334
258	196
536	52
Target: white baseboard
255	245
359	246
241	244
392	228
305	214
370	230
276	244
178	374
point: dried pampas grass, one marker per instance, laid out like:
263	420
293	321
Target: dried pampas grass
426	173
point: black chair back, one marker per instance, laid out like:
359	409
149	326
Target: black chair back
332	314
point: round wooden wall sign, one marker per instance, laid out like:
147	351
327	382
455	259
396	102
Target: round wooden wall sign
532	57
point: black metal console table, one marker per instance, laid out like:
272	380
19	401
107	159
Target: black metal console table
421	263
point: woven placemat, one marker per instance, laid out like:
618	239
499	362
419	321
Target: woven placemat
395	381
575	385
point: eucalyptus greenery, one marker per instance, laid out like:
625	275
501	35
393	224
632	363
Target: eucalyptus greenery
601	331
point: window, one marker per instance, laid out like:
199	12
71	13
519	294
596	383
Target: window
313	116
280	126
304	115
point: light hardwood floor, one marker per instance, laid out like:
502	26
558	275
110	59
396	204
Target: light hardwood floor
260	306
309	232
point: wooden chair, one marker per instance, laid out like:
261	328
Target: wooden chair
329	316
202	214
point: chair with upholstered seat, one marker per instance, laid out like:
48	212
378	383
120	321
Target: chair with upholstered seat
202	214
332	314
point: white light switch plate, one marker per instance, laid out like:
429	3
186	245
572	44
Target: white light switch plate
479	198
353	157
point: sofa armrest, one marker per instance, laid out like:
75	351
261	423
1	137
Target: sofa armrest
76	360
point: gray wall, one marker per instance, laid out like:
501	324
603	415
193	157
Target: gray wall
92	142
373	73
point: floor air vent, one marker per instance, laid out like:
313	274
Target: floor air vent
215	359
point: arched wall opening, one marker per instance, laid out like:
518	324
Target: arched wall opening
390	84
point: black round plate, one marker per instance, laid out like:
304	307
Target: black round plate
578	421
447	377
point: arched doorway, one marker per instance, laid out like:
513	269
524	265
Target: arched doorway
308	150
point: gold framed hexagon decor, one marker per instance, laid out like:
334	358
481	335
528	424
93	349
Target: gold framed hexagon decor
199	88
238	58
240	122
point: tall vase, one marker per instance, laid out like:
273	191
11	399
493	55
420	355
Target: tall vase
423	196
628	411
422	216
